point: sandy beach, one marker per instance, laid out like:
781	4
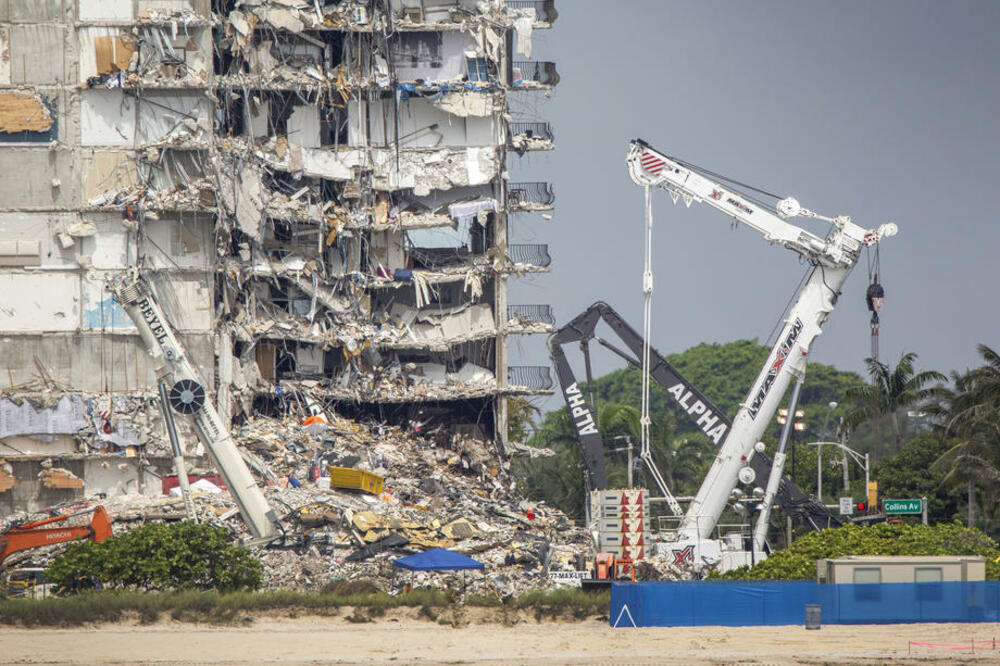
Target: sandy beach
402	639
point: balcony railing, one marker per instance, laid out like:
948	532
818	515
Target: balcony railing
538	314
545	10
530	193
534	255
532	131
535	71
534	377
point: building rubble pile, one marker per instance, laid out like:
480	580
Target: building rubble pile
440	490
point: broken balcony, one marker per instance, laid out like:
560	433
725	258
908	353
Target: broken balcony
432	249
422	170
522	137
530	378
463	372
533	75
523	197
149	56
292	62
436	14
529	256
437	329
431	58
530	319
545	10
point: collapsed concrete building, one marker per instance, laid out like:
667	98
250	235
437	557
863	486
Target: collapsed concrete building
319	193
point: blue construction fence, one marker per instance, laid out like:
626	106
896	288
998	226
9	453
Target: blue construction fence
754	603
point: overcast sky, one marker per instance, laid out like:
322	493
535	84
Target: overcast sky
882	110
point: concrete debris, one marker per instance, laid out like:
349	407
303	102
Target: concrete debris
526	142
440	169
179	20
466	104
440	491
522	324
242	196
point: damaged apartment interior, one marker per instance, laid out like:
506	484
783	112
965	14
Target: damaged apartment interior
319	193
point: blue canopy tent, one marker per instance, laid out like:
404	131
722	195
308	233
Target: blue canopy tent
438	559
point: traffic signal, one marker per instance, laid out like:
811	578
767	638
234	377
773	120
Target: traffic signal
862	506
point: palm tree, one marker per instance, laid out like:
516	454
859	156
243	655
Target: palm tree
891	390
971	413
972	461
522	418
615	419
686	457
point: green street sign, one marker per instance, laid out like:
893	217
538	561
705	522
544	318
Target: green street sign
897	506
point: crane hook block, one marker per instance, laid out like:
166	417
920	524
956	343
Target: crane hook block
875	296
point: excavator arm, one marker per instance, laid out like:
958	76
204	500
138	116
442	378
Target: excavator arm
708	418
581	330
35	535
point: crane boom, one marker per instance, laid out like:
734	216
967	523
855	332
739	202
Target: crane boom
832	259
187	396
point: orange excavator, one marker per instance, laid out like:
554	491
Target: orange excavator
34	534
608	568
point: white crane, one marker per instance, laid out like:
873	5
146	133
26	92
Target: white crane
187	396
832	259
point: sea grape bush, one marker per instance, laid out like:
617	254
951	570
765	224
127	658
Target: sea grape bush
158	556
799	560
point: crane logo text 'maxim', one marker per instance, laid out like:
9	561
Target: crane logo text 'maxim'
772	373
582	417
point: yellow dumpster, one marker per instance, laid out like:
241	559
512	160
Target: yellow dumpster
355	479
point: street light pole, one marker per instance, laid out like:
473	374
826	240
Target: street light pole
846	450
786	418
819	451
843	453
819	473
866	478
629	441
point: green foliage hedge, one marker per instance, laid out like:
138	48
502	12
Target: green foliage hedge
158	556
240	607
799	560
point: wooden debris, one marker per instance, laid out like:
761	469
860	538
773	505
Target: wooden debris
21	112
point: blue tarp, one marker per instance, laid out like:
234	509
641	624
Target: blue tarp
437	559
753	603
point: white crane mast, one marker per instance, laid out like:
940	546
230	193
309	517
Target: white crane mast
189	397
832	258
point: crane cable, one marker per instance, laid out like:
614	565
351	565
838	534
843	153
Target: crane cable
645	453
647	316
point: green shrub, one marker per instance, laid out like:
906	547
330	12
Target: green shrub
563	601
799	560
158	556
238	607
